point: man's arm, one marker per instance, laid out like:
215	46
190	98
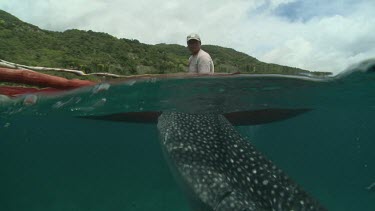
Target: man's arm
205	65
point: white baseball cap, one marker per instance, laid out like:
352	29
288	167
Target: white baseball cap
193	37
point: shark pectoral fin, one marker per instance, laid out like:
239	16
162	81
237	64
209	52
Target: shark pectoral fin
148	117
252	117
264	116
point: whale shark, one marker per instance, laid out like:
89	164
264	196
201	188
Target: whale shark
223	169
218	168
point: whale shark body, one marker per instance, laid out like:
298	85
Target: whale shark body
223	169
218	168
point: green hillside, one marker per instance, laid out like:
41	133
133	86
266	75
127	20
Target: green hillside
90	51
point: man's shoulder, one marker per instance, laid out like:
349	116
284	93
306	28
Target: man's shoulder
204	54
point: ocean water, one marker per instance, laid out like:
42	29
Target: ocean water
53	160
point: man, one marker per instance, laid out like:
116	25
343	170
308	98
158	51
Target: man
199	61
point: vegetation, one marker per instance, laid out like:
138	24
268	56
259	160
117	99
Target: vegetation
91	51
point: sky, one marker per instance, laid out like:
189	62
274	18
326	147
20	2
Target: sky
316	35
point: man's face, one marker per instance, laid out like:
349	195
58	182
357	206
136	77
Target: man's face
194	46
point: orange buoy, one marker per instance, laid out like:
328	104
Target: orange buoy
29	77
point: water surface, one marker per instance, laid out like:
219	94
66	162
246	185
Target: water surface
51	160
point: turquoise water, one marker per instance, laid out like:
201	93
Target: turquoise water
51	160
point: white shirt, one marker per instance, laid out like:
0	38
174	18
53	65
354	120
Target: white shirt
201	63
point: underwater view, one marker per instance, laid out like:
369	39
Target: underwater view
77	150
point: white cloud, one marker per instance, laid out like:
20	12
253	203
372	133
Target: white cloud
327	44
321	41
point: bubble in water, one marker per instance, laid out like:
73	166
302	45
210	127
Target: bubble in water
130	82
30	100
60	104
78	99
101	102
101	88
82	109
371	186
4	98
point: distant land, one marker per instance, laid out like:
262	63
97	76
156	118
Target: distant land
90	51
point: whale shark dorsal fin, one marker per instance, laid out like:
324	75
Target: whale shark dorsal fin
251	117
